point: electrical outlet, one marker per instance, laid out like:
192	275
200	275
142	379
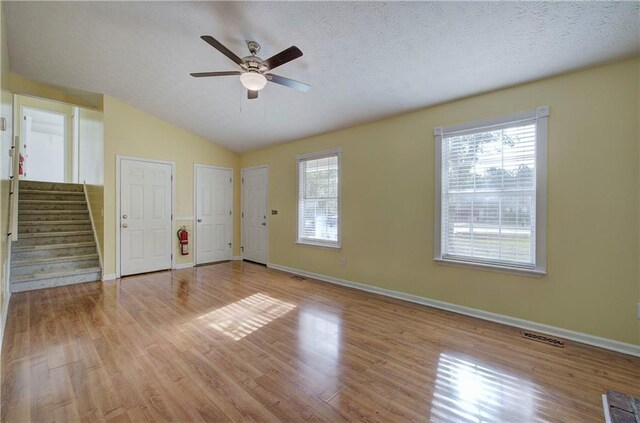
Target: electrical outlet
343	262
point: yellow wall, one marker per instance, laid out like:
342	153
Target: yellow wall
131	132
21	85
388	205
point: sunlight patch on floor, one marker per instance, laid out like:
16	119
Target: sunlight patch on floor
245	316
470	391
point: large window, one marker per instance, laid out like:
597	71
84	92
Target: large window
491	192
319	198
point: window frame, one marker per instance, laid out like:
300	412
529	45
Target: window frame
337	151
541	115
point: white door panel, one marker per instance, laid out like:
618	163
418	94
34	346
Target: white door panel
145	216
254	221
214	220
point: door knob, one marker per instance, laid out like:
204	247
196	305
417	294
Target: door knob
264	223
124	225
199	220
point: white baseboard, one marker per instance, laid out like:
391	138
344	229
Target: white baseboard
183	266
109	277
607	410
584	338
5	313
236	258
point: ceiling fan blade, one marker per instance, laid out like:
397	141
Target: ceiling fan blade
252	94
283	57
205	74
222	49
296	85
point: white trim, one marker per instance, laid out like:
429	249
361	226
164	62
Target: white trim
319	154
509	119
319	244
5	314
538	115
491	267
67	138
268	211
93	226
195	208
584	338
119	159
183	266
337	151
605	408
236	258
109	277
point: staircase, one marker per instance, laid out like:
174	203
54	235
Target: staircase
56	245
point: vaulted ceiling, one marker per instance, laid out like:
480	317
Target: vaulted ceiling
364	60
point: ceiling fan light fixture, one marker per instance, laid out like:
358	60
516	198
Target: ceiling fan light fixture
253	81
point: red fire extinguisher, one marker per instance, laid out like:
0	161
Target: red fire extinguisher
21	165
183	236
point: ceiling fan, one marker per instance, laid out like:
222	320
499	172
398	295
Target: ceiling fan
253	73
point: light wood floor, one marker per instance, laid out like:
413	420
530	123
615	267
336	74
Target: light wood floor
240	342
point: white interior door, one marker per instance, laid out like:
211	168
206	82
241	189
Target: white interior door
145	216
254	214
214	221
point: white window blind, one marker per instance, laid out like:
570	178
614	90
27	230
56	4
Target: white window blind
319	198
488	194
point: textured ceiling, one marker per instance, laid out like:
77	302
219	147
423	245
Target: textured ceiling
363	60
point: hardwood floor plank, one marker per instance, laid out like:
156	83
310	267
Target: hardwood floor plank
240	342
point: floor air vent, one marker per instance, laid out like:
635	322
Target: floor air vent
298	277
543	338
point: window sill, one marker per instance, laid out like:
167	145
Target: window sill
319	244
491	267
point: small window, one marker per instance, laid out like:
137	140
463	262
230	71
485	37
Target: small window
319	198
491	193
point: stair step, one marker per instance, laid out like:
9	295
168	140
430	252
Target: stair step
51	201
45	212
52	246
53	226
51	191
52	234
22	263
51	205
48	215
47	238
50	195
61	250
50	279
54	222
60	264
49	186
50	275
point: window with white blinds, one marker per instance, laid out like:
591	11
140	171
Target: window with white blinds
319	198
489	176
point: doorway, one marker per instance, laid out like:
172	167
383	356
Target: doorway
255	231
214	213
145	215
44	143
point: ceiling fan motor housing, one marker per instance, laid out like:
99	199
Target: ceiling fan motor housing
253	64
